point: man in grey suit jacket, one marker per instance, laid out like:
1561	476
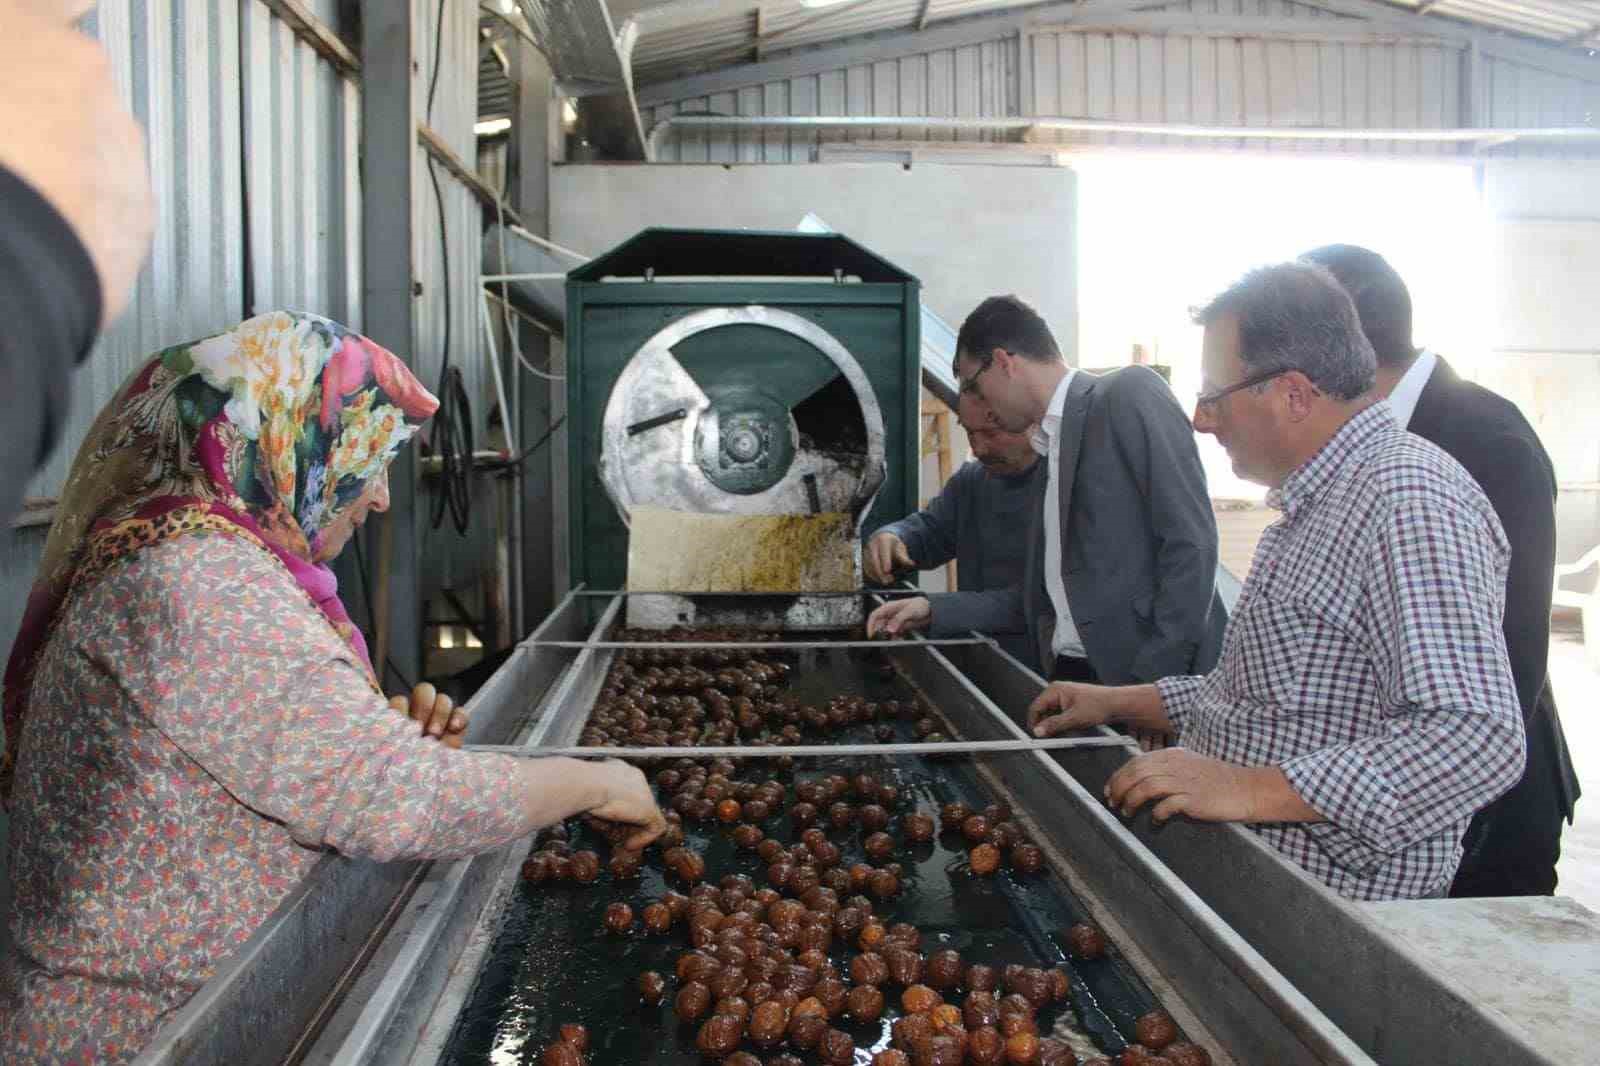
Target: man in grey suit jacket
1120	585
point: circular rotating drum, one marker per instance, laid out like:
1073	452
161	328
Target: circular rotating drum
755	424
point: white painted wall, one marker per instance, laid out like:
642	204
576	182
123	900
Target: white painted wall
966	231
1544	233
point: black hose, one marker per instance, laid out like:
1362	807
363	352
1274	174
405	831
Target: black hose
453	434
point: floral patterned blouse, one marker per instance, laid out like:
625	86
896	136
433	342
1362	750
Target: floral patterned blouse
198	731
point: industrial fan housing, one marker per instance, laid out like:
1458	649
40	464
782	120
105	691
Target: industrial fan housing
749	374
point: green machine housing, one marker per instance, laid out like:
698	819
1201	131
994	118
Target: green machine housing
619	301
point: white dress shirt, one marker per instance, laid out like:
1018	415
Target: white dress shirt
1408	390
1067	641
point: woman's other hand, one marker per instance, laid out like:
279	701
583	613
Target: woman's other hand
435	712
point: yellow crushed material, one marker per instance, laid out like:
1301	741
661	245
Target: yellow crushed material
673	551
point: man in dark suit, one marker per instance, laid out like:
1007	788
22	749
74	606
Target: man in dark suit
1120	584
1511	846
980	519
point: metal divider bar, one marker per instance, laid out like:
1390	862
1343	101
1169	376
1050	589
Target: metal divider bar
739	645
953	747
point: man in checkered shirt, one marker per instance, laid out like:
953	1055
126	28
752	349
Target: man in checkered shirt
1363	707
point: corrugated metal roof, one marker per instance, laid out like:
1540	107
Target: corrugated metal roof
732	35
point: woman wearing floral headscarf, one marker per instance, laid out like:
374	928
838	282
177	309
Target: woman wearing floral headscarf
189	713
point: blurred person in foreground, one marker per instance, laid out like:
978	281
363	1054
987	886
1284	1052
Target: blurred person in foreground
76	214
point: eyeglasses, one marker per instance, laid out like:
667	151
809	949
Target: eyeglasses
1209	399
969	387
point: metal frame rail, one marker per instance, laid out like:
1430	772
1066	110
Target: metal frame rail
405	1008
368	962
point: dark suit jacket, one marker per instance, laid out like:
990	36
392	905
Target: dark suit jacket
1485	433
1139	540
981	521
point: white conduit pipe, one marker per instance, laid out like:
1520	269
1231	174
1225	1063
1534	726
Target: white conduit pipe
1080	125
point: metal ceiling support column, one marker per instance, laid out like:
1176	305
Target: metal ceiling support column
388	164
535	123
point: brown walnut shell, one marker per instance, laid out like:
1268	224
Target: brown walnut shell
561	1054
986	1047
919	999
692	1001
905	965
720	1035
576	1035
984	860
619	917
1155	1030
1186	1054
917	828
1086	941
768	1024
585	867
805	1030
831	992
980	1010
652	987
837	1048
1022	1050
1055	1053
981	978
864	1003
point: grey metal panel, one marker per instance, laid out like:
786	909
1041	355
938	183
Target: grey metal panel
973	79
1336	71
1538	97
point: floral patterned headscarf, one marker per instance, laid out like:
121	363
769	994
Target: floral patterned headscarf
269	431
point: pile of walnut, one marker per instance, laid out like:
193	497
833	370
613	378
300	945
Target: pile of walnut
758	969
709	696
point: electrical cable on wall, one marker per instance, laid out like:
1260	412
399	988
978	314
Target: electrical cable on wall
453	422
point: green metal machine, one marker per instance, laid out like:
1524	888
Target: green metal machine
737	372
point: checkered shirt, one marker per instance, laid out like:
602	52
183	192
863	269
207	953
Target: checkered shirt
1365	659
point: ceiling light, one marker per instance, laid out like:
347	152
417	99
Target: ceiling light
822	3
491	127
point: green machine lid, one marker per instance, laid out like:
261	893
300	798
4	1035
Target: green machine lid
739	253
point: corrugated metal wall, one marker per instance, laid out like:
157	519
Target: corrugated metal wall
1359	77
448	558
979	79
301	122
231	103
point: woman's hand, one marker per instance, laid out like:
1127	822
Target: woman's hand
626	798
435	712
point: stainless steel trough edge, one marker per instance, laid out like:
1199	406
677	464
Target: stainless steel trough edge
282	983
1360	976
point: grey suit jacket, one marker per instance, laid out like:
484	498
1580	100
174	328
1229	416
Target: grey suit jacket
1139	540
